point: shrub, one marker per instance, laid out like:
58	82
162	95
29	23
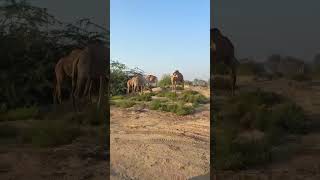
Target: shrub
20	114
123	103
177	108
52	133
193	97
143	97
289	117
169	95
271	114
165	80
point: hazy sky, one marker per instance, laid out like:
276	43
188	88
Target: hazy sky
160	36
259	28
70	10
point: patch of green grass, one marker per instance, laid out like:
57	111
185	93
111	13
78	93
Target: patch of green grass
193	97
117	97
125	103
168	94
142	97
20	114
177	108
51	133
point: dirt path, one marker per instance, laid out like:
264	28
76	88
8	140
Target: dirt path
305	164
158	145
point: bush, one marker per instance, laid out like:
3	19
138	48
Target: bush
20	114
271	114
165	81
289	117
177	108
123	103
168	94
52	133
193	97
143	97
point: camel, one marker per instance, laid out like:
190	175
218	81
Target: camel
222	51
130	85
176	78
90	65
136	83
63	69
151	79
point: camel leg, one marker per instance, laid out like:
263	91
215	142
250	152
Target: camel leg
77	92
90	88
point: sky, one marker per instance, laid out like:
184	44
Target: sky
160	36
260	28
71	10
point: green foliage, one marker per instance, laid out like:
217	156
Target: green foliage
165	81
193	97
32	41
168	94
124	103
20	114
272	115
52	133
118	78
177	108
142	97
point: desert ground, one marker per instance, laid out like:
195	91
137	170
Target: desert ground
305	163
149	144
84	158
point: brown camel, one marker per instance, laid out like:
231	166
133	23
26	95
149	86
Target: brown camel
91	65
63	69
222	51
139	83
130	85
176	78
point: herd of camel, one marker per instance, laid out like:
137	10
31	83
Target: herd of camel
138	82
86	65
83	66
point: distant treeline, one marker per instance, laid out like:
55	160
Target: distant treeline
31	42
277	66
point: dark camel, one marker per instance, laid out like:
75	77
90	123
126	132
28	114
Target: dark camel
222	51
91	65
176	78
151	79
63	70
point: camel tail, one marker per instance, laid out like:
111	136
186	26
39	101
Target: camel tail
101	89
74	80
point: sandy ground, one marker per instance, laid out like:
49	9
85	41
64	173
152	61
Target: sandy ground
78	161
150	144
305	164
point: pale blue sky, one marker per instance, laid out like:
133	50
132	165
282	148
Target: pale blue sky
261	28
160	36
